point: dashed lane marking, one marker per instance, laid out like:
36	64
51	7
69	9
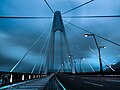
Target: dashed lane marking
71	78
95	84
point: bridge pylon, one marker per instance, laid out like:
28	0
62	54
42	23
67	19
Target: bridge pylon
57	26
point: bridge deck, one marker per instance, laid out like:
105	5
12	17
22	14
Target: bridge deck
77	82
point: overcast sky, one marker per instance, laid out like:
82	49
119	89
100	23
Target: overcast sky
17	35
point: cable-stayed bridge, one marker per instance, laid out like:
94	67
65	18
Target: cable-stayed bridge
71	73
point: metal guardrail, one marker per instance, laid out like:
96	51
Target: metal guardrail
96	74
45	85
8	78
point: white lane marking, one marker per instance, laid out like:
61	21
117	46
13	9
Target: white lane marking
118	81
60	84
84	78
93	83
71	78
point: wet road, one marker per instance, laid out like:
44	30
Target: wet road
77	82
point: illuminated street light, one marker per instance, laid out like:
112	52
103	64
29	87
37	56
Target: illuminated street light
102	46
75	65
98	48
69	56
86	35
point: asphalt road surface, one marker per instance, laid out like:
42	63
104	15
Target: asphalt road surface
77	82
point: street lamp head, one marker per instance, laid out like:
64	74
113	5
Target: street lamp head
69	56
81	58
86	35
65	61
102	46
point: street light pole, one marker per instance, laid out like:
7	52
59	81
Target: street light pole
99	54
98	48
75	66
80	66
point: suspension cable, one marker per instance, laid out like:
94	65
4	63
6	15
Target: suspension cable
93	33
89	65
40	68
82	68
97	56
101	59
44	63
23	17
77	7
104	16
44	46
70	45
49	6
37	59
71	40
76	48
84	58
39	54
46	51
14	67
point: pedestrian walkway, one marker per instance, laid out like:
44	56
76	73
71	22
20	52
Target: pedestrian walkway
37	84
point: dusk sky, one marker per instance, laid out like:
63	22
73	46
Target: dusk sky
17	35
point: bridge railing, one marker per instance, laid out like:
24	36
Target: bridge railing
7	78
117	74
